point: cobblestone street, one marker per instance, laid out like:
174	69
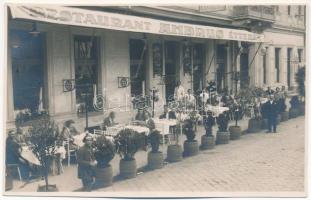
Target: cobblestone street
257	162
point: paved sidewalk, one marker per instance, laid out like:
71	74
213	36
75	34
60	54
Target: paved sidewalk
257	162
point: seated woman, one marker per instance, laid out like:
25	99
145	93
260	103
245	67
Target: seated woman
13	155
140	116
109	121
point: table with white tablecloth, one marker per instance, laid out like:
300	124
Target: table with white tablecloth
164	125
217	110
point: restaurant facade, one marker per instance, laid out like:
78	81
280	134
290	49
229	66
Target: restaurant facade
64	60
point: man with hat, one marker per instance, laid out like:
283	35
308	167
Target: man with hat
271	109
86	163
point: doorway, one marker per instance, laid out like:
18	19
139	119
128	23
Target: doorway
244	71
171	54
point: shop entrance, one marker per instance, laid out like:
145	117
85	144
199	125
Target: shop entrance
221	68
198	60
28	69
170	69
244	79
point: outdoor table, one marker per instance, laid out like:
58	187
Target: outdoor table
28	155
217	110
163	125
114	130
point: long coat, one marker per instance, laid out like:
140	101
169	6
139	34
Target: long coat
85	156
271	110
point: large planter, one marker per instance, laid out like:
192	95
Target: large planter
284	116
128	168
293	112
174	153
155	160
207	142
264	124
278	119
191	148
235	132
222	137
254	125
51	188
104	176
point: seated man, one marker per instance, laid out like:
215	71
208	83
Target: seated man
13	150
167	114
140	116
109	121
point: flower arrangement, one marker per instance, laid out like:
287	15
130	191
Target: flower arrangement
188	130
154	138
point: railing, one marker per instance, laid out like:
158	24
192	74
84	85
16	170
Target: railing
265	13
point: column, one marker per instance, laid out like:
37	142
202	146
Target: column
229	69
293	66
270	59
237	66
283	66
210	62
10	99
254	63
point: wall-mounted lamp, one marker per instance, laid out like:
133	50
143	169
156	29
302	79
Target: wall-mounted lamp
34	31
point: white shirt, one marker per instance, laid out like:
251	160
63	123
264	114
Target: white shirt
179	93
205	98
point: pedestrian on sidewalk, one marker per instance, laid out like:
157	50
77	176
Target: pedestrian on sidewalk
86	163
271	109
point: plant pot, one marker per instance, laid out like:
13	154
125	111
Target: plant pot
278	119
222	137
191	148
155	160
51	188
207	142
254	125
293	113
174	153
128	168
284	116
235	132
104	176
264	124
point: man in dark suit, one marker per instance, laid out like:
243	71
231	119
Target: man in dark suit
167	114
271	110
86	163
269	91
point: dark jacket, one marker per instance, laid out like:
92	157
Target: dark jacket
271	110
12	151
85	156
140	117
171	115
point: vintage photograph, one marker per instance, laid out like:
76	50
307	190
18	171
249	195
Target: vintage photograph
189	100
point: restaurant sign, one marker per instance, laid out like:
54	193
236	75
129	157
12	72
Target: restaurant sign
122	22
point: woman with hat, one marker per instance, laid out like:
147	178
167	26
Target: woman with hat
86	163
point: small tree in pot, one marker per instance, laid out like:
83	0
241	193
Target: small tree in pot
104	153
128	142
235	131
300	79
223	136
208	140
294	107
44	134
191	146
155	157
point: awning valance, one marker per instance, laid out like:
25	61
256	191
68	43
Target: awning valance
122	22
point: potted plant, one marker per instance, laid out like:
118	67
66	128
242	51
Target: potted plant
223	136
174	151
235	131
104	153
208	140
155	157
128	142
44	134
191	146
282	109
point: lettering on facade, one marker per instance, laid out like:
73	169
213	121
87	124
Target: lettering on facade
129	23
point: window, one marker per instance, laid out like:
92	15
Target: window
86	71
277	64
300	55
28	68
138	51
288	10
300	11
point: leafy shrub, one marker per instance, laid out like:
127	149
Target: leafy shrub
188	130
128	142
104	151
154	139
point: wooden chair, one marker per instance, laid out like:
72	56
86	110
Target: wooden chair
70	152
15	166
